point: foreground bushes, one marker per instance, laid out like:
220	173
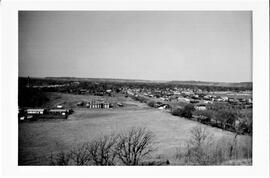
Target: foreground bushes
127	148
135	147
151	104
202	149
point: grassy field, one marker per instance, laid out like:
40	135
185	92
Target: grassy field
233	95
37	140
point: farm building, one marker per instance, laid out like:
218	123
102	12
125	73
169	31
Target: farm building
98	105
62	112
41	113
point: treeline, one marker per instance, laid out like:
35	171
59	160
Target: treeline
222	117
103	85
31	97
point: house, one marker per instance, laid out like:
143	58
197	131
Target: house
57	111
108	91
207	97
224	98
120	104
207	102
200	107
35	111
194	101
195	97
182	99
164	106
249	101
80	103
83	91
59	106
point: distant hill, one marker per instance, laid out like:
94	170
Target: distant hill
199	83
221	84
101	79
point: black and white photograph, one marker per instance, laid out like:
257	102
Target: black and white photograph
135	88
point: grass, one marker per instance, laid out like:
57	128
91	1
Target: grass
37	140
234	95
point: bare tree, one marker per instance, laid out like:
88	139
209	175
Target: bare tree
62	158
129	147
80	154
134	146
102	150
196	145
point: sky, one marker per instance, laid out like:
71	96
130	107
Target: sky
153	45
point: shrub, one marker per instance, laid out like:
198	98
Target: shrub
151	103
196	145
226	117
80	155
187	111
201	149
131	148
205	113
61	159
177	112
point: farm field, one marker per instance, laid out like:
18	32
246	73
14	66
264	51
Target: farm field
233	95
37	140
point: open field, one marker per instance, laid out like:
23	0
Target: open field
37	140
233	95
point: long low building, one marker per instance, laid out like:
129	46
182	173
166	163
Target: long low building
35	111
59	111
43	113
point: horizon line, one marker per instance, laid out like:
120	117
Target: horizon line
107	78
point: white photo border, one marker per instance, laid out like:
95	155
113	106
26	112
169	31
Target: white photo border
9	88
